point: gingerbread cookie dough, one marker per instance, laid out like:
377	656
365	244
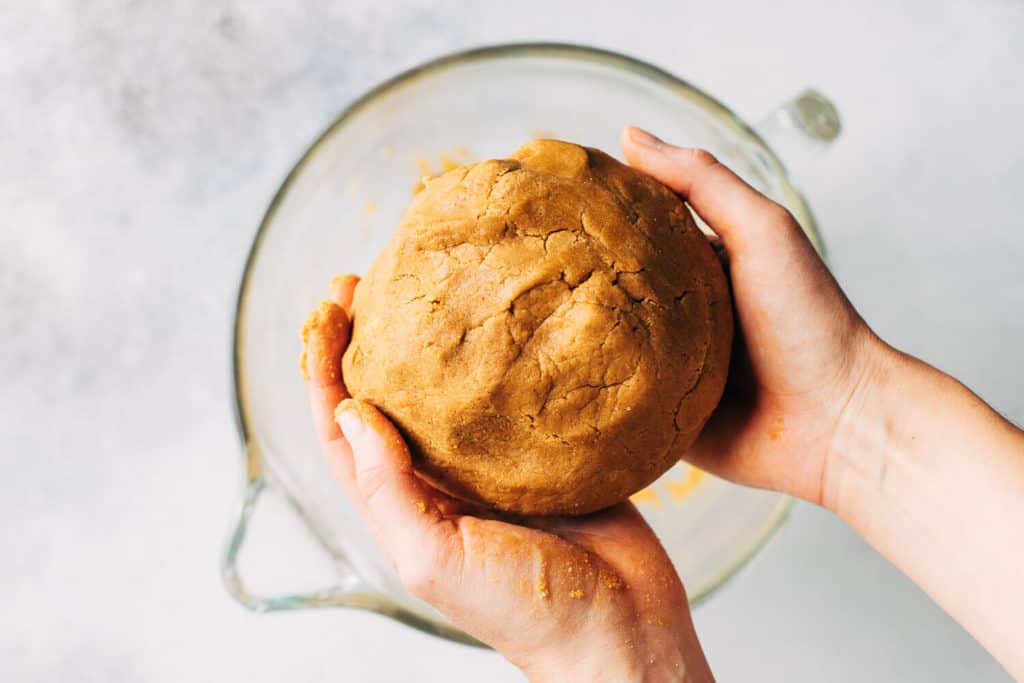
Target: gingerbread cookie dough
549	331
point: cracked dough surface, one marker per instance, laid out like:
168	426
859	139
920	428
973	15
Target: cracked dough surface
549	331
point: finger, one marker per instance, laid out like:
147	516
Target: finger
619	534
325	336
613	533
325	400
400	509
736	211
635	560
343	289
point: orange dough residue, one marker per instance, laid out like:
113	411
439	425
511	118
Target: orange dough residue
679	490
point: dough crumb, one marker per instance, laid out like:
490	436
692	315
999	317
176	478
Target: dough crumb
680	490
611	580
647	495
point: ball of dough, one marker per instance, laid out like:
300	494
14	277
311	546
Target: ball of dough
550	331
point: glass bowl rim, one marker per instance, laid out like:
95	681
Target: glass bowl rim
253	471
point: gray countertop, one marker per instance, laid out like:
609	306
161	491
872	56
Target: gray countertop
140	142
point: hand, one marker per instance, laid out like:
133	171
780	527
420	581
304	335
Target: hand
592	598
803	354
817	406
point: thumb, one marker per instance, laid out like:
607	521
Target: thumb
400	509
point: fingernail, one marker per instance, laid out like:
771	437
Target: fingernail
642	137
339	281
348	418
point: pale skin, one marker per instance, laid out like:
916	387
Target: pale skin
817	407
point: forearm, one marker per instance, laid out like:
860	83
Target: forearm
933	478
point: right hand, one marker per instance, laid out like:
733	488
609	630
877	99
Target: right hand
803	355
818	407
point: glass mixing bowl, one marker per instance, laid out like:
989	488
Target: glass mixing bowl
336	211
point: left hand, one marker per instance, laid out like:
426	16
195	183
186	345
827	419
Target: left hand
591	598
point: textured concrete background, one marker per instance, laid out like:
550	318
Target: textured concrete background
140	142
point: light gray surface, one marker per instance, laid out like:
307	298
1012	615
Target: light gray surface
139	147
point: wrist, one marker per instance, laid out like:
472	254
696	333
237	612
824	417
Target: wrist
869	432
910	442
931	477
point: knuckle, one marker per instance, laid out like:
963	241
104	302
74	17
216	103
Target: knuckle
777	216
699	156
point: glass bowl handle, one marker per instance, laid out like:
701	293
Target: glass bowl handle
348	591
801	129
